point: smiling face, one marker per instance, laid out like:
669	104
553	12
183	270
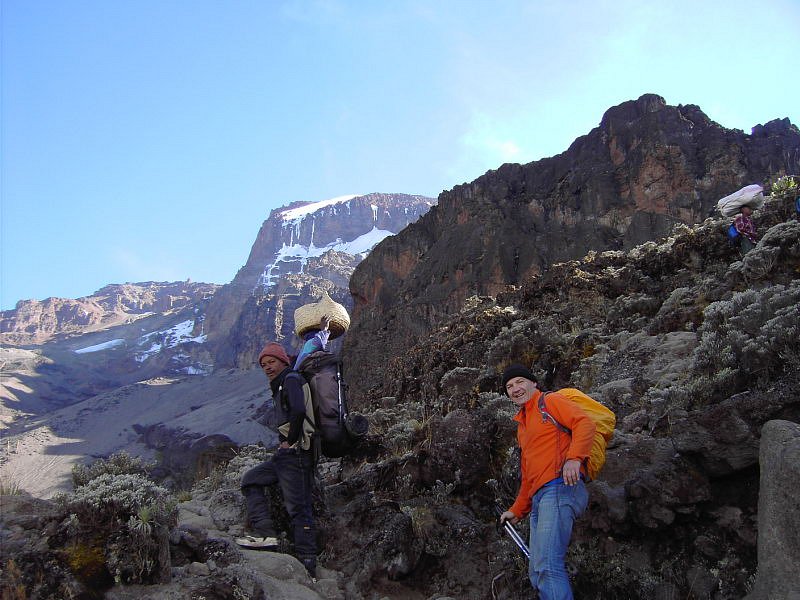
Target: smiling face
520	390
272	367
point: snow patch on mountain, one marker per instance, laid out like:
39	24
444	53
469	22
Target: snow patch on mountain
174	336
295	215
299	253
99	347
184	364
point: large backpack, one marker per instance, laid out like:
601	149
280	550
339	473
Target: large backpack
604	420
336	429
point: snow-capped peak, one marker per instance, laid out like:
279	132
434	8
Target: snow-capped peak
294	214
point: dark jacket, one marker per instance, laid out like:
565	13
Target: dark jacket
289	400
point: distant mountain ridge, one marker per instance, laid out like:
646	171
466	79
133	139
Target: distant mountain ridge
302	230
301	250
37	322
308	230
59	351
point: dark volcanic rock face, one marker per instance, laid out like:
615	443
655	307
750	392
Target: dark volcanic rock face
692	346
645	168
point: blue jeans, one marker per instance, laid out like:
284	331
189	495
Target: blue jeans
555	508
293	470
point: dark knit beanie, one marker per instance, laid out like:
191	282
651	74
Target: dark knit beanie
275	350
517	370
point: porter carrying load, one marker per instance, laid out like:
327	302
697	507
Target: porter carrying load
336	428
751	195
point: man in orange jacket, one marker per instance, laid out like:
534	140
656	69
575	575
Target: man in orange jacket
553	473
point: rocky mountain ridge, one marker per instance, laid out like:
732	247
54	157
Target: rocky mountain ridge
299	251
35	322
646	167
60	351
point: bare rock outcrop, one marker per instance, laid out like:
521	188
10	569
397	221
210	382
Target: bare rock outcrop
120	536
778	512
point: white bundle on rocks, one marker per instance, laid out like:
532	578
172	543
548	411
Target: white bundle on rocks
751	195
307	317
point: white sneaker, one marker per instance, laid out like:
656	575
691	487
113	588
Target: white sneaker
254	541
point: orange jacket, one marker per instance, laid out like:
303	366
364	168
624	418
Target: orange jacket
545	448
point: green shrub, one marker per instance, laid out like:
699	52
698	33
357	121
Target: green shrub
787	186
117	528
120	463
108	500
754	335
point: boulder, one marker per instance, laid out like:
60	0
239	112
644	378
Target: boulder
778	512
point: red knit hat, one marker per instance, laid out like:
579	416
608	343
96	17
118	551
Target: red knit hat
275	350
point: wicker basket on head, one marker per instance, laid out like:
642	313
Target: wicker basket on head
307	317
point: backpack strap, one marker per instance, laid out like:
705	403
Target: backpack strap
309	417
309	414
306	396
546	416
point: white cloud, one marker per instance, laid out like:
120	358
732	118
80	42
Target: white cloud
490	140
145	265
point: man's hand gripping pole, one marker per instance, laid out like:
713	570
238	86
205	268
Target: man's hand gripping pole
513	534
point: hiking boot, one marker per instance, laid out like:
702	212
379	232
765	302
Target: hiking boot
267	542
311	566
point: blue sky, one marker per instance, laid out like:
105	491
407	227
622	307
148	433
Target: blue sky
149	139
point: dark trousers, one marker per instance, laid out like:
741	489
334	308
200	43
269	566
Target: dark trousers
293	470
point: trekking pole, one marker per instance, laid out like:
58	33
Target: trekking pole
514	534
339	383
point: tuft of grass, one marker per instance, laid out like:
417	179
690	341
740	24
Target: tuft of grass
87	562
13	587
10	487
